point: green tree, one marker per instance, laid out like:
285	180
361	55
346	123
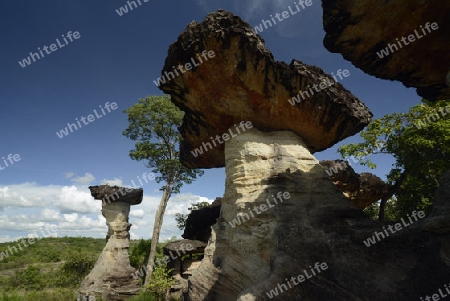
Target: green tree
419	140
139	253
153	123
181	218
160	283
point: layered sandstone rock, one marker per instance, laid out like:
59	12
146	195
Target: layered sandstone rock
358	29
281	213
315	224
243	82
112	276
362	190
181	262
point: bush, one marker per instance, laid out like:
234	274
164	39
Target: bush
139	253
160	282
74	270
28	279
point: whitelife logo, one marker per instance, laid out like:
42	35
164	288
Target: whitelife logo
199	150
281	197
163	260
411	38
27	61
437	297
188	66
124	190
124	10
346	161
50	229
398	226
284	15
309	92
90	118
10	158
319	267
432	117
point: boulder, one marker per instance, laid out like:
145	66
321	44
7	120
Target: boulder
199	222
362	190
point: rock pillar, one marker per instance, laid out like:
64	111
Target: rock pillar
273	183
112	276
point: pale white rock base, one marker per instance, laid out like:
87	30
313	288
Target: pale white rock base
111	276
246	261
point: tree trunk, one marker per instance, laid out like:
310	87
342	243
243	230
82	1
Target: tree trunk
156	231
392	190
383	206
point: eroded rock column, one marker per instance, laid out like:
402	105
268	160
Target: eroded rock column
273	188
112	276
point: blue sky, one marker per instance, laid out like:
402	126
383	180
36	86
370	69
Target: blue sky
115	59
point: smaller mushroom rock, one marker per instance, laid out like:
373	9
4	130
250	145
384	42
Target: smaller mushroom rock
112	275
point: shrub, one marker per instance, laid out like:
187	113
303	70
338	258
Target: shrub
160	282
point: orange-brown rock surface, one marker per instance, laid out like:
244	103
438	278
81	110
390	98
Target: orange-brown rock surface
243	82
281	213
362	189
358	29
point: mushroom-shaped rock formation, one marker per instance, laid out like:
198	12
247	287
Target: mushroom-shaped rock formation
404	40
112	276
362	190
238	85
284	228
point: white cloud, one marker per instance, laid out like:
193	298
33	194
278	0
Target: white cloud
29	208
86	180
113	182
5	238
137	213
70	217
27	195
73	199
69	174
133	235
50	215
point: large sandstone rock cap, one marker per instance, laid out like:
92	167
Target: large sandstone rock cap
237	79
112	194
360	28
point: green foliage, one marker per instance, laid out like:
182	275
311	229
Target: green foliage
139	253
160	282
419	140
28	279
391	211
153	124
34	269
53	295
75	269
181	218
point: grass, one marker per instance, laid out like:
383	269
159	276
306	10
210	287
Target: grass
47	295
52	269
